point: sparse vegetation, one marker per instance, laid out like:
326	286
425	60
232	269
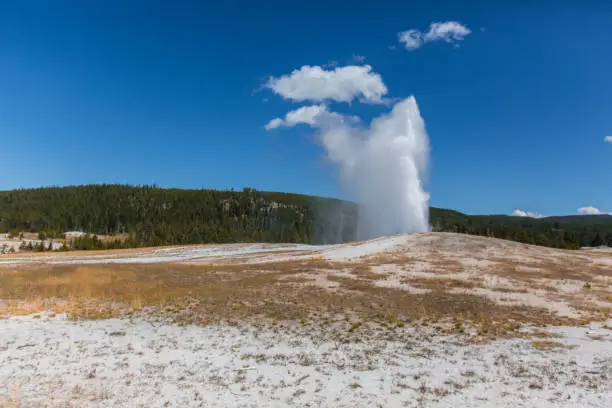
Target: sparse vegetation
441	283
205	293
548	345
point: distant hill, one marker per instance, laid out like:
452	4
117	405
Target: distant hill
582	218
570	232
148	215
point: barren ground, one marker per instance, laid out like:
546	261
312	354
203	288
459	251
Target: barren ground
412	320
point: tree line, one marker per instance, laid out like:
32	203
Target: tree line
565	232
151	216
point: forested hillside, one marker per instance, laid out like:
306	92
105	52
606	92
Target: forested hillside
148	215
569	232
155	216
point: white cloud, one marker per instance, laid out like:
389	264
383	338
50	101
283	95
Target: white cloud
521	213
608	139
589	211
306	114
342	84
412	39
274	123
447	31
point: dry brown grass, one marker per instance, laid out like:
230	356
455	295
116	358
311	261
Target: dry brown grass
446	265
548	269
508	290
364	271
234	289
441	283
544	334
196	293
548	345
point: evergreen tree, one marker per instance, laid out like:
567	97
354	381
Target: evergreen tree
597	241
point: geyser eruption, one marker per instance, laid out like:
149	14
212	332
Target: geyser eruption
387	173
384	165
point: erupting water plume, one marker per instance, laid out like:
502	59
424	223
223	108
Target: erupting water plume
383	166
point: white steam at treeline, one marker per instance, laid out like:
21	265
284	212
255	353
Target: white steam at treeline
383	165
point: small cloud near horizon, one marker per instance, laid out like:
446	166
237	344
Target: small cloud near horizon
590	210
587	210
528	214
608	139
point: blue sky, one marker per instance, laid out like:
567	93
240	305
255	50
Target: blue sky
170	93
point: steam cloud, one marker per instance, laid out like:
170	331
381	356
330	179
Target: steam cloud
383	165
